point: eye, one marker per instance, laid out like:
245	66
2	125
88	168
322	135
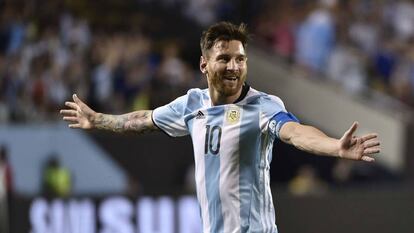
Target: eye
241	59
222	59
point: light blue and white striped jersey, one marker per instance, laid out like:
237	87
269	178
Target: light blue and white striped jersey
232	151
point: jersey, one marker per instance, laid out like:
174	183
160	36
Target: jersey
232	146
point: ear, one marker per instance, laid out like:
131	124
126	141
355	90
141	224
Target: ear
203	65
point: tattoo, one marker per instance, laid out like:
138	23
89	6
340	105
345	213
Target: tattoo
139	122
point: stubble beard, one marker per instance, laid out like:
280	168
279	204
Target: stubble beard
227	88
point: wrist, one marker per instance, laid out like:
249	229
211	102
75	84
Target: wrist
337	151
95	118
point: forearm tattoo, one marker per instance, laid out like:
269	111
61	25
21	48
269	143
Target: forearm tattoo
139	122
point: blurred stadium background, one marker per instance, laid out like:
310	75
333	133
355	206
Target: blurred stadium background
331	61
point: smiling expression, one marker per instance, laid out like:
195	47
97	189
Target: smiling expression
226	69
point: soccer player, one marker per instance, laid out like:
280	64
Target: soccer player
232	127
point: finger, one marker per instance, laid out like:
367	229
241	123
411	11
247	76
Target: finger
72	105
367	158
373	150
68	112
371	144
74	119
369	137
76	99
80	103
352	130
74	126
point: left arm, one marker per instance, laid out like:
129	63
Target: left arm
312	140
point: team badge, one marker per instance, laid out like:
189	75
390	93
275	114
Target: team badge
233	115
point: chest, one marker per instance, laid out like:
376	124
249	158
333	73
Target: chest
228	126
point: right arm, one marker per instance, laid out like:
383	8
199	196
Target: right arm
82	116
138	121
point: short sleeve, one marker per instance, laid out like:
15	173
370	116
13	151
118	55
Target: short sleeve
274	115
270	105
170	118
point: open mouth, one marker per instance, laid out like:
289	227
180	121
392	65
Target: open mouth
233	78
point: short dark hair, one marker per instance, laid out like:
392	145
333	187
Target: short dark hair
223	31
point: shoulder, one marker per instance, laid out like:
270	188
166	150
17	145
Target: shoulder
196	93
184	104
270	105
193	100
192	94
273	100
267	99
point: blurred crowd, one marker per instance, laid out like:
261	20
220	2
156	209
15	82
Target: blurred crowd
49	51
360	44
44	60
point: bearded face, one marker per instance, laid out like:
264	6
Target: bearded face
225	67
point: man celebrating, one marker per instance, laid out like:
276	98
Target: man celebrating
232	127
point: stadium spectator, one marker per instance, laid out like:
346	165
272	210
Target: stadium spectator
316	37
363	28
6	188
402	19
307	183
276	27
172	76
57	180
346	66
402	79
202	11
5	173
384	63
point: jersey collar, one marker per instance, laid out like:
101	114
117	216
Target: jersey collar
245	90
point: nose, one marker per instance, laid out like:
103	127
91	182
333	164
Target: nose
232	65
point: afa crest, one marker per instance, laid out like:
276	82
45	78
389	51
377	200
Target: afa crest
233	115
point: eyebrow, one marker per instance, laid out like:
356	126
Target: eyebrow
226	55
223	55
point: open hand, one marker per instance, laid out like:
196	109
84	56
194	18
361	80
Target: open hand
79	114
358	148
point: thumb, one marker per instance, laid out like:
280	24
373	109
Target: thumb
76	99
82	106
352	129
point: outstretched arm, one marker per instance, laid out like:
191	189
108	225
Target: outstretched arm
82	116
313	140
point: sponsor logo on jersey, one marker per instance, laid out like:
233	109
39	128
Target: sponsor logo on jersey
200	115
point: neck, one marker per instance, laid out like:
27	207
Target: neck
219	99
